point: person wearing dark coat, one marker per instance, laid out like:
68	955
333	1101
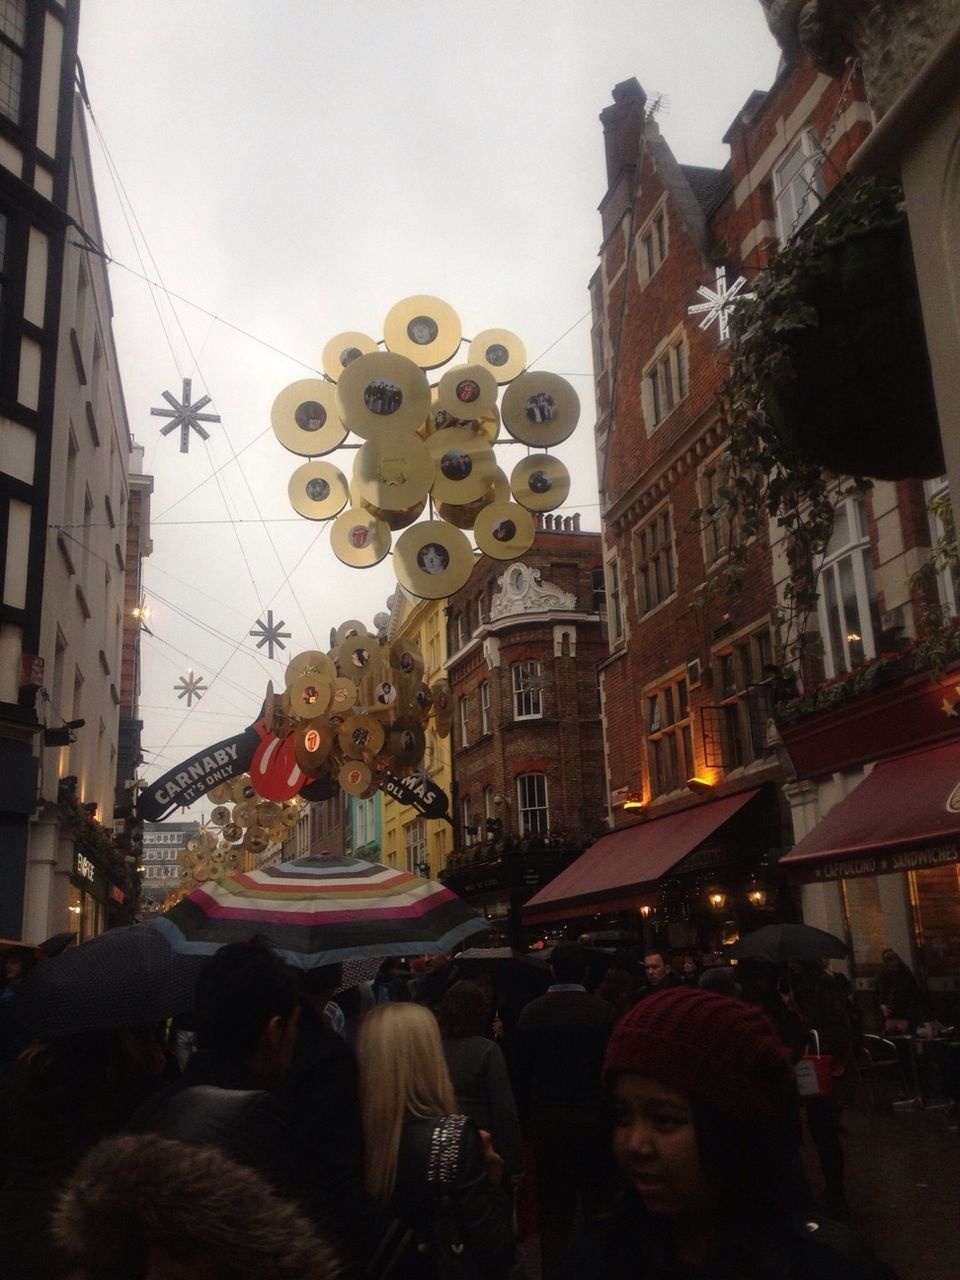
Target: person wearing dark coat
901	1000
561	1040
426	1165
658	973
703	1095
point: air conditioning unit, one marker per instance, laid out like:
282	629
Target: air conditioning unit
693	674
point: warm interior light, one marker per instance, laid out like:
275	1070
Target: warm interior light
757	897
633	801
645	910
717	900
700	784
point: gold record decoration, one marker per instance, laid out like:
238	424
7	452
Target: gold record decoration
433	559
540	482
467	391
312	746
309	698
439	420
359	539
425	330
465	465
305	418
443	707
501	352
344	696
360	737
504	530
464	515
406	741
355	777
540	409
310	663
392	473
394	520
221	815
222	794
383	394
406	658
318	490
343	350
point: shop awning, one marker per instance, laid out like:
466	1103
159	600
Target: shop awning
904	816
623	863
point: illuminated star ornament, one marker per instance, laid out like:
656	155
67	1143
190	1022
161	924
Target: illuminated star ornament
950	708
270	634
191	687
719	302
186	416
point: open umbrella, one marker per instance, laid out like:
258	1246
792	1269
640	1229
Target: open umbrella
128	977
322	909
778	943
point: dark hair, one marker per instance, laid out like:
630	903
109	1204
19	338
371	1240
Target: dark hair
239	990
463	1011
662	952
569	962
326	977
26	955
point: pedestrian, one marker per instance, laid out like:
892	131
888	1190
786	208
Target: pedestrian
561	1039
429	1167
901	1000
721	978
689	973
616	987
703	1098
658	972
143	1206
478	1071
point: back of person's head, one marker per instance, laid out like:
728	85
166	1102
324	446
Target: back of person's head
321	981
569	962
727	1058
141	1204
402	1072
616	984
239	990
464	1010
722	980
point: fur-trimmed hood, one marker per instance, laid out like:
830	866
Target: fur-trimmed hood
137	1194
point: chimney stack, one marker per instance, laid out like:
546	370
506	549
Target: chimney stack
623	127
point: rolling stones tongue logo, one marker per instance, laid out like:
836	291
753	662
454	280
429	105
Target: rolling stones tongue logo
274	771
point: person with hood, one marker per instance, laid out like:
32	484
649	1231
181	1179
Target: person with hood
704	1112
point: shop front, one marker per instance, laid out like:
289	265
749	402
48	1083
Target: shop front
883	868
694	879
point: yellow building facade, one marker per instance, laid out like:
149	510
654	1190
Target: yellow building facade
409	840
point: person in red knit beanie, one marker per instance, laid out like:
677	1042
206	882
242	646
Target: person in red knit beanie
705	1133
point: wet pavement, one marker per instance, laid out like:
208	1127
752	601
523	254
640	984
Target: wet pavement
903	1186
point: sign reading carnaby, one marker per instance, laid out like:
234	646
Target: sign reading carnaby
198	775
878	864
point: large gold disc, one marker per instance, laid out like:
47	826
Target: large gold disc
311	662
465	465
540	482
318	490
426	330
467	391
433	559
360	737
504	530
342	350
383	394
359	539
392	473
500	351
305	418
540	409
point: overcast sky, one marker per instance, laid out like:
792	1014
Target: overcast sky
291	170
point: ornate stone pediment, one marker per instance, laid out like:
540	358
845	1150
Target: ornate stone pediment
892	38
521	591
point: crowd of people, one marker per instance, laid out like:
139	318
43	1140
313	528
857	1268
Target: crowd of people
419	1125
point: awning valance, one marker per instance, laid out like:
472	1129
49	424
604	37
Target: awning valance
904	816
625	862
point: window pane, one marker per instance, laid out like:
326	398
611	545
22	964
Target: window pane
653	711
13	20
834	633
660	227
840	537
680	351
648	250
851	611
11	76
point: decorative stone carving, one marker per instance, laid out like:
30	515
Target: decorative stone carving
892	38
521	591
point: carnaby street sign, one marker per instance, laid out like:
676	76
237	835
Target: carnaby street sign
422	794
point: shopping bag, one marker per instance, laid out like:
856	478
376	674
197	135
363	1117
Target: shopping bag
814	1072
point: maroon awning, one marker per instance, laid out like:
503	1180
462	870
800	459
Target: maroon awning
627	861
904	816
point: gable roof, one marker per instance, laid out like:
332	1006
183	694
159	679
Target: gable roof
708	185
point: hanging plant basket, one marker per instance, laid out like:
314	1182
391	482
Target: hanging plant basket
854	391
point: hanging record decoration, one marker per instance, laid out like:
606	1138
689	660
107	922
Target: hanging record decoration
423	444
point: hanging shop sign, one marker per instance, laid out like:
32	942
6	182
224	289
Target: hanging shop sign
420	793
85	868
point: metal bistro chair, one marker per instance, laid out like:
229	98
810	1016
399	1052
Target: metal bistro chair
880	1070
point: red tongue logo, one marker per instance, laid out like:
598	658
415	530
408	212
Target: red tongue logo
311	740
274	771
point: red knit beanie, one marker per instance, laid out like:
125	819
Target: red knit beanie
715	1049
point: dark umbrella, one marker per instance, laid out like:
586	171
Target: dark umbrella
59	942
778	943
129	977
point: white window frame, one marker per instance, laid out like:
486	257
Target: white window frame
527	704
466	820
614	600
720	533
666	379
464	721
855	552
663	554
948	579
485	706
533	804
653	243
669	722
415	843
797	198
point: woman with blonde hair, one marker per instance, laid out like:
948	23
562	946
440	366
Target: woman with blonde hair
431	1168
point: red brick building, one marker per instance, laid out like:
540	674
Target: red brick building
524	641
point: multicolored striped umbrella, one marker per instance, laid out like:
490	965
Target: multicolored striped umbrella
322	909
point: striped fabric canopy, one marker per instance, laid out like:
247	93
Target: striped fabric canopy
321	910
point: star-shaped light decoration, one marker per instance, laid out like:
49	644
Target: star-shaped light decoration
951	708
186	416
270	634
719	302
191	687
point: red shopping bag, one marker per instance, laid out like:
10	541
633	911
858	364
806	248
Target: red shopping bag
815	1072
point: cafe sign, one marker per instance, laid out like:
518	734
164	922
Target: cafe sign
875	864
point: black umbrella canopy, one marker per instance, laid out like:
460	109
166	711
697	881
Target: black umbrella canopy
778	943
129	977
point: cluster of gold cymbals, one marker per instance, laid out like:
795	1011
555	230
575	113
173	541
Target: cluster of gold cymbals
359	710
246	820
426	443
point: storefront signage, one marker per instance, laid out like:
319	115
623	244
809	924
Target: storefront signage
85	867
878	864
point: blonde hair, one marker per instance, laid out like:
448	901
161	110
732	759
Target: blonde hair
402	1073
